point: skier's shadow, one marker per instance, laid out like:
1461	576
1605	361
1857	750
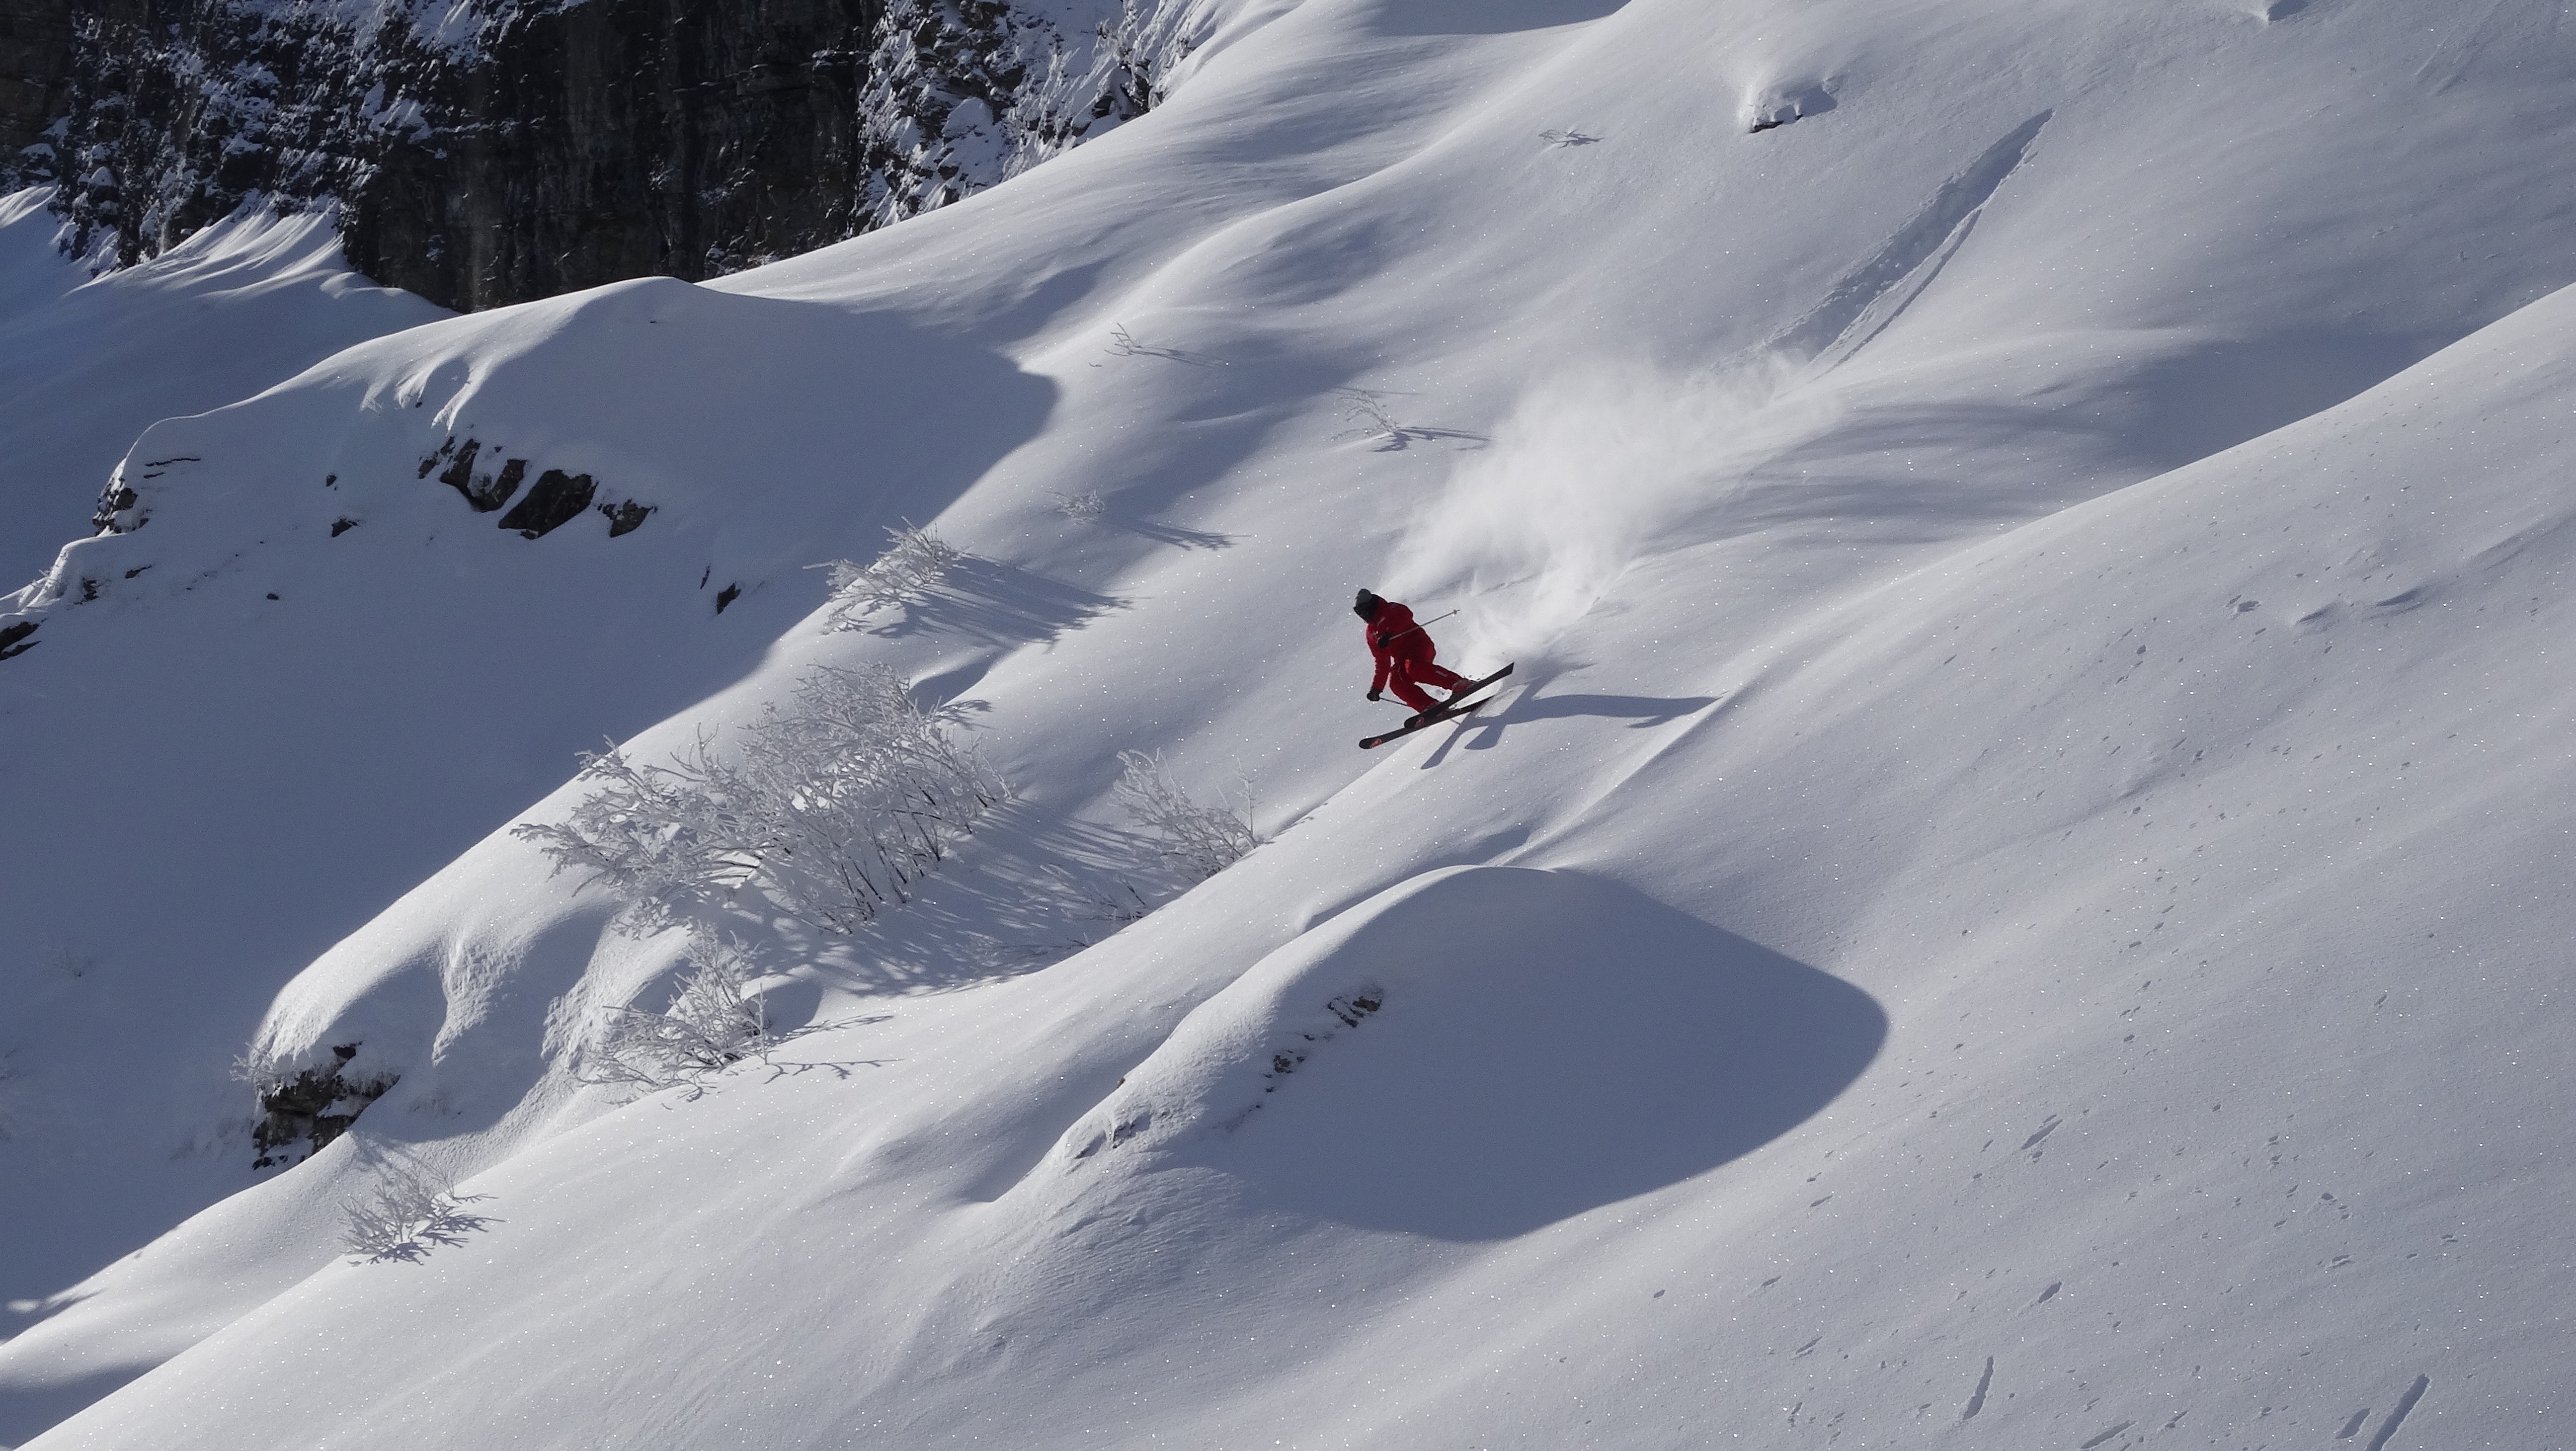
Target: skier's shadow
1484	729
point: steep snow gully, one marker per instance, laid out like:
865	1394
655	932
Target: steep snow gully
2017	892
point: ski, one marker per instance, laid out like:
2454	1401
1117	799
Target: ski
1459	706
1421	722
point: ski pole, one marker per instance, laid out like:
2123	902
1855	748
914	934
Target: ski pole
1400	634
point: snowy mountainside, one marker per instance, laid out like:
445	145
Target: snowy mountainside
86	363
295	519
2010	896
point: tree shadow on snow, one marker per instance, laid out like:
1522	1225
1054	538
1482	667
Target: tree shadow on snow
446	1227
1486	17
1546	1043
1173	534
1038	891
998	604
839	1068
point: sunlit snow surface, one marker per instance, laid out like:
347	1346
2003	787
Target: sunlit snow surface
2017	891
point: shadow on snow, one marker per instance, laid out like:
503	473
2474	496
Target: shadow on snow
998	604
1550	1042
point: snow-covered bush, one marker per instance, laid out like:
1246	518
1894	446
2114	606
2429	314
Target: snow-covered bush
1083	508
1192	841
914	560
1375	417
1171	844
831	807
713	1022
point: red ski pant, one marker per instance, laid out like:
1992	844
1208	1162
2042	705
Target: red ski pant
1406	675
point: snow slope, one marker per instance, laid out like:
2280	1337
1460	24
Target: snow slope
2011	895
87	363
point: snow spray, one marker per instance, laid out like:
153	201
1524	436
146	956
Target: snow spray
1589	467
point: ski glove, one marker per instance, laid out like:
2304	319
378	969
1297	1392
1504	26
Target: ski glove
1376	694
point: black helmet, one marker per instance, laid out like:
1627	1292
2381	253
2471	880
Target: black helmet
1366	605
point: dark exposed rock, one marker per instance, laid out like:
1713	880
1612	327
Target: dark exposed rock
557	499
486	492
626	517
120	508
1783	104
170	113
727	596
13	638
623	138
113	501
314	1107
490	494
342	526
495	151
460	474
35	48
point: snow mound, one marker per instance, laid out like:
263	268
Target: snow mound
1482	1051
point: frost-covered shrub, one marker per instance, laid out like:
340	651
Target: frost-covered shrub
1172	843
1375	417
1083	508
1192	841
1370	411
914	561
713	1022
831	807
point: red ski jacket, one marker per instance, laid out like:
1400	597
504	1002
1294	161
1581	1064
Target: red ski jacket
1393	636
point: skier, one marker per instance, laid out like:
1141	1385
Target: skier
1403	650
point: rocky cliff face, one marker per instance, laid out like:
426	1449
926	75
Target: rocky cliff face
490	151
35	47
